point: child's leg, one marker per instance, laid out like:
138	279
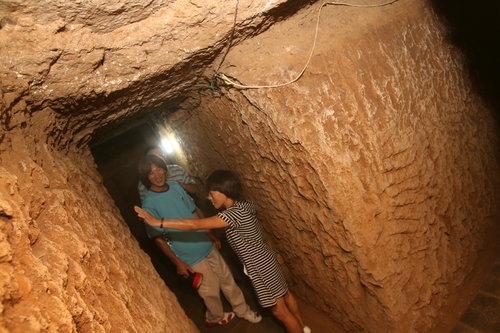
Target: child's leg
209	291
293	306
283	313
233	293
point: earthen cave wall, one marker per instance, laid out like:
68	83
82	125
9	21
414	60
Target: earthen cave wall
68	262
68	69
375	173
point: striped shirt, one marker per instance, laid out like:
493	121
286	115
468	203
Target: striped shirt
244	234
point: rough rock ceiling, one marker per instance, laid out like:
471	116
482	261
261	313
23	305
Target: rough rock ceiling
102	62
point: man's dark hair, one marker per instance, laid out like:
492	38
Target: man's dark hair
149	148
226	182
145	167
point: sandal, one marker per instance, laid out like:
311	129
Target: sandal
228	316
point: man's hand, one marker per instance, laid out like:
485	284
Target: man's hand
217	243
183	268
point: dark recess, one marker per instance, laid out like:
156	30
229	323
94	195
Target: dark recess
474	27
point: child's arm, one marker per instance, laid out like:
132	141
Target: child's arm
182	268
210	234
213	222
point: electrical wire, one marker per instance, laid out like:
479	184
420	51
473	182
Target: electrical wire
231	36
241	86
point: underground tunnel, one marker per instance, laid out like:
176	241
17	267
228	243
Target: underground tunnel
361	132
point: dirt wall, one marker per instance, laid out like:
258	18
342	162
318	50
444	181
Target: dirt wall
68	70
68	260
375	173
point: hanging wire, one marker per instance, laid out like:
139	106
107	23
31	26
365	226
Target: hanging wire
231	36
241	86
212	81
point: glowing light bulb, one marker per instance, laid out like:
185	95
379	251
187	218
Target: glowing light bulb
169	144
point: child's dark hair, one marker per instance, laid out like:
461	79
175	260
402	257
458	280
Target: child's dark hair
226	182
145	167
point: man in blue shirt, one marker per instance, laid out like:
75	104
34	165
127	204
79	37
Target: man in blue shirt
190	251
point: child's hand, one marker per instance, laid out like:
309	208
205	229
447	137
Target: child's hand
214	239
217	243
143	214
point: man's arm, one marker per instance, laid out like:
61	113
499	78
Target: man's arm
142	190
177	174
182	268
190	188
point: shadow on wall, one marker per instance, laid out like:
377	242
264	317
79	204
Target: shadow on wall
474	27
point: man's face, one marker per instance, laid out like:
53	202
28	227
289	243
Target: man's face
157	176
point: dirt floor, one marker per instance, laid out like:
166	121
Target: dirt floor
483	312
194	308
